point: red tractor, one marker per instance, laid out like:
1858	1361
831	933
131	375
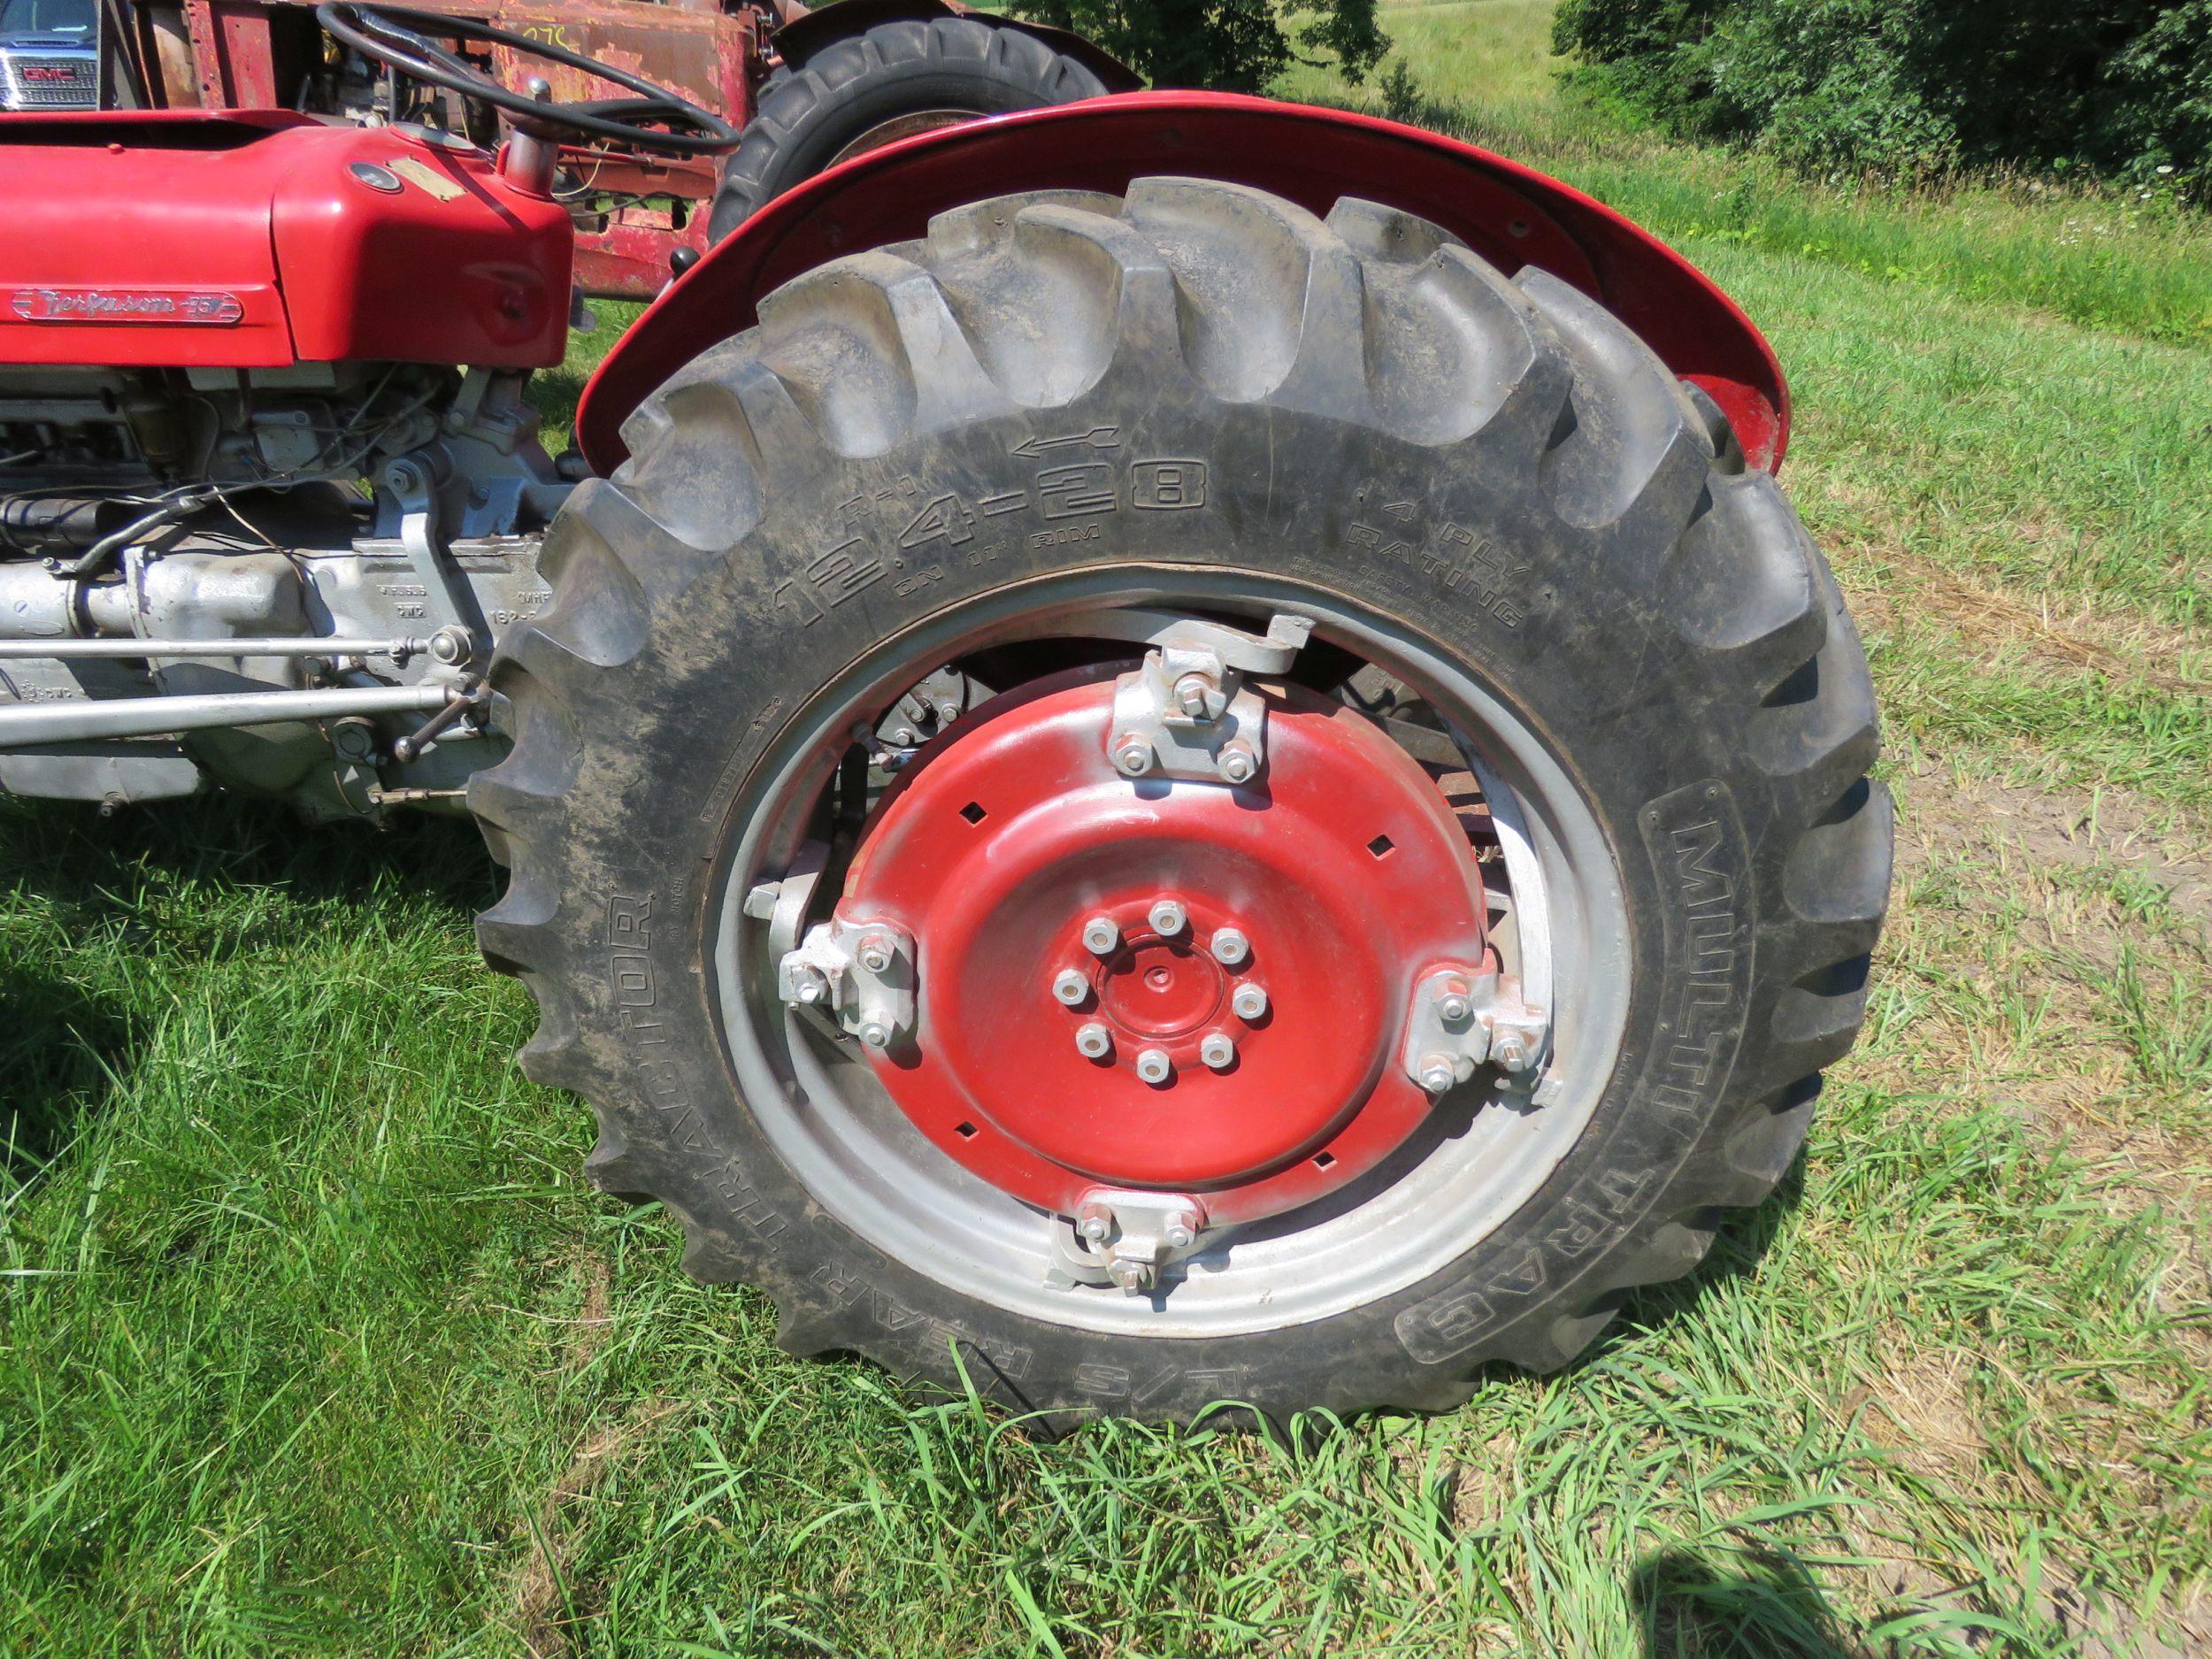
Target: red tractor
805	88
1126	771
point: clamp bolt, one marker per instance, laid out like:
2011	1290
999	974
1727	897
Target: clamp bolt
1218	1050
1136	1277
1179	1235
1132	754
1511	1051
875	952
1438	1073
808	985
1154	1067
1452	1002
1100	935
1167	917
1069	985
1096	1228
1230	946
1093	1041
1236	763
875	1035
1249	1002
1190	691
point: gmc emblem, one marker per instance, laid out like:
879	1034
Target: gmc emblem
43	74
125	306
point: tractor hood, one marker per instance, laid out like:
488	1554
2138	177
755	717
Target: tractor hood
261	239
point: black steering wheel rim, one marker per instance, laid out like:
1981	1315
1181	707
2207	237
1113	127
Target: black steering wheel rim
387	35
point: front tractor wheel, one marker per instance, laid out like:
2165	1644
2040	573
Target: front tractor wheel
1160	799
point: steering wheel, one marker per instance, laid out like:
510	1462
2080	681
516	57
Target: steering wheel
388	35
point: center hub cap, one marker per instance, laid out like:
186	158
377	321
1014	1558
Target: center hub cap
1187	986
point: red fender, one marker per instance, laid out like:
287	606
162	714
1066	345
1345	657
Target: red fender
1510	215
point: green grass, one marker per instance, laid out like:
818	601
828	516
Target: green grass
312	1340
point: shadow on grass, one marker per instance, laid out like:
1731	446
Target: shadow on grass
60	1043
93	869
182	880
1752	1603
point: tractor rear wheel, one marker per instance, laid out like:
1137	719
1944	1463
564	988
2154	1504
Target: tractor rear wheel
882	84
1159	800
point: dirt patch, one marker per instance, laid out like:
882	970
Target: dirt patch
1946	809
542	1590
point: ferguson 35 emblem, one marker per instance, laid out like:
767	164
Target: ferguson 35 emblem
124	305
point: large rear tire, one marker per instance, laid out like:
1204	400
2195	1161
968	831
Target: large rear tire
885	83
1512	528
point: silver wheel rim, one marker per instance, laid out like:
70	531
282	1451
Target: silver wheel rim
1486	1152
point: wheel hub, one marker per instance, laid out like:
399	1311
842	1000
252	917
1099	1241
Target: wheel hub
1168	986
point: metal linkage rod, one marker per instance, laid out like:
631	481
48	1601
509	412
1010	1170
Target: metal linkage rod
285	645
94	719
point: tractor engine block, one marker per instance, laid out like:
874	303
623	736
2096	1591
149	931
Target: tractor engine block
393	509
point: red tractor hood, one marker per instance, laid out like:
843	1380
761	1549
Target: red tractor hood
259	239
1510	215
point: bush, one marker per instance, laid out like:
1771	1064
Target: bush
1227	45
2122	88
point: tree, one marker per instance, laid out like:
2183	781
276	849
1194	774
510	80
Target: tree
1227	45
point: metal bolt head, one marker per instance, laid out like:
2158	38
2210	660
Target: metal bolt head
1070	986
1135	1277
1132	754
1249	1002
1101	934
1179	1235
875	952
1167	917
1230	946
1096	1228
808	985
1438	1073
1236	763
1218	1050
1452	1002
876	1035
1154	1065
1512	1051
1191	694
1093	1041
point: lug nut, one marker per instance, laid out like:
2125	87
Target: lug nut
1167	918
1100	935
1511	1051
875	952
1070	987
1218	1050
1236	763
1093	1041
1452	1002
1249	1002
1154	1066
1438	1073
1132	754
1230	946
875	1035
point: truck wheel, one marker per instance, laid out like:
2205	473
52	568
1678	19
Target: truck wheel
885	83
1154	801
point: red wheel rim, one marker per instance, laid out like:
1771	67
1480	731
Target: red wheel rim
1342	866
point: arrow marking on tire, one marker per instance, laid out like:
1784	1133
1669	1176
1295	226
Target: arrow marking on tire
1096	438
